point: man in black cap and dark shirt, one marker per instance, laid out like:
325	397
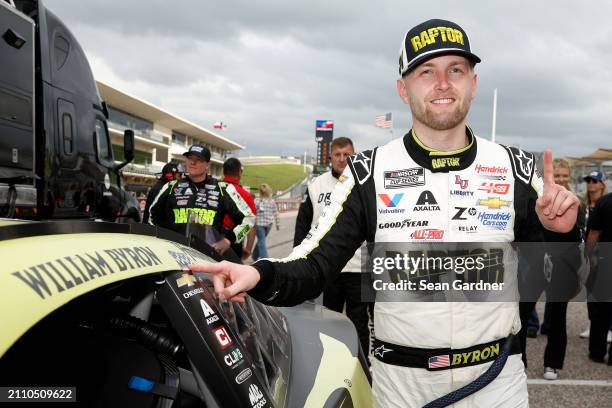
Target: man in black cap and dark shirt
197	198
169	172
600	279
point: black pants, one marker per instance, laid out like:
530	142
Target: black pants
554	354
347	289
600	314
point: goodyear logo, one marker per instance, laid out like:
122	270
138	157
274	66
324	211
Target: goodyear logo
434	34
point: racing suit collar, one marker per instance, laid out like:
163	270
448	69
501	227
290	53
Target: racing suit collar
335	173
437	161
232	180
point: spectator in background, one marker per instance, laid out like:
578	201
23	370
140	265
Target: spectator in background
232	173
566	260
267	214
596	188
347	287
563	175
169	172
599	283
196	205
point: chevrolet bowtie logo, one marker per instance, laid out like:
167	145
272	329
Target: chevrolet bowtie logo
494	202
185	279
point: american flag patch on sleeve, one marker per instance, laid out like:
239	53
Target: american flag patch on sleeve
439	361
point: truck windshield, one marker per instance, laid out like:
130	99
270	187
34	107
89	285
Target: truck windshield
102	142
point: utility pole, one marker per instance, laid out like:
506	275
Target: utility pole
494	115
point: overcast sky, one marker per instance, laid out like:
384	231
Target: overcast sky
270	68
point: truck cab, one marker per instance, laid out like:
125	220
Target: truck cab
56	159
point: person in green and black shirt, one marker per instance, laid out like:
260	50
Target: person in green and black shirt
199	194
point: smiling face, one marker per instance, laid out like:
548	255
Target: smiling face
562	176
439	92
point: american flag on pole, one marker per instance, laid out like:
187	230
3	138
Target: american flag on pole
384	121
439	361
219	125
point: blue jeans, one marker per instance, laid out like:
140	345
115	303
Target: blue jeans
261	249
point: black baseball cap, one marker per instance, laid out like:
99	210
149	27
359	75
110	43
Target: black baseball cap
198	150
430	39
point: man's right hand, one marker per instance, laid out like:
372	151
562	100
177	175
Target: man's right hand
231	281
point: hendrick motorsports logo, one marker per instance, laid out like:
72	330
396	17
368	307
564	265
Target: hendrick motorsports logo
495	188
480	169
405	178
494	220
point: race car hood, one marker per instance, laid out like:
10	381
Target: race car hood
48	264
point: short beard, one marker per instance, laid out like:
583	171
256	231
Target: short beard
438	122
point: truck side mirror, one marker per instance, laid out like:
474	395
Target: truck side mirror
128	145
128	149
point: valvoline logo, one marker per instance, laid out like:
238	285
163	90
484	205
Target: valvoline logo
391	202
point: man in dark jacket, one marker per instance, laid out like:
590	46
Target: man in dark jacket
197	198
169	172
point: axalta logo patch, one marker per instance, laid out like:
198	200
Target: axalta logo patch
426	202
209	314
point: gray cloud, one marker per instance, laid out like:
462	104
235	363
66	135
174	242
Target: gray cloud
271	68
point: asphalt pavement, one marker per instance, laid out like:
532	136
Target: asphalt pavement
581	383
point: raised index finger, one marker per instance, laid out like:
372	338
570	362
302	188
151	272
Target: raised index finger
214	268
548	167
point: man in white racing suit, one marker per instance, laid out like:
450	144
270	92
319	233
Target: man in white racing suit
345	291
449	186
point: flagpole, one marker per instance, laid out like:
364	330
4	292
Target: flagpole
494	124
